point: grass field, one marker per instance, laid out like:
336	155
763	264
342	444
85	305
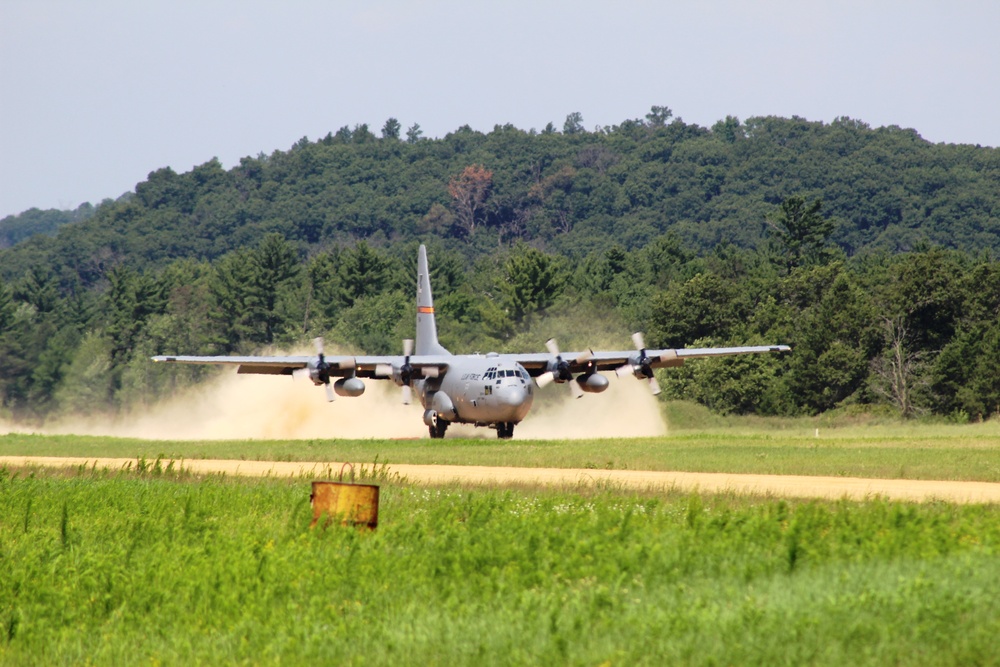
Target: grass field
121	568
789	447
155	566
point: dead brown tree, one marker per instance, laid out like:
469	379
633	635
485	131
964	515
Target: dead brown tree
470	190
897	371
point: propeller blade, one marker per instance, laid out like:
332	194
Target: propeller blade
585	357
552	347
407	347
576	389
638	341
344	364
407	394
654	386
430	371
330	396
383	370
318	344
545	379
300	374
624	371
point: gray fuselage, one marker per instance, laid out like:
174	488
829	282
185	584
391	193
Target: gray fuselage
480	390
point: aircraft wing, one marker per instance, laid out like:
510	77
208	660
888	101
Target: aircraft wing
339	365
538	363
702	352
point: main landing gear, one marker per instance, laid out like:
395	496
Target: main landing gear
505	430
438	428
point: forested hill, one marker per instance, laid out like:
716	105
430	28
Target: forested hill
569	192
16	228
871	252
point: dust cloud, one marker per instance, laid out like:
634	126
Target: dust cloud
626	409
239	407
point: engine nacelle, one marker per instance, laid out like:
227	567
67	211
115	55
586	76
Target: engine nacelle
667	360
311	372
442	404
593	383
352	387
559	369
431	417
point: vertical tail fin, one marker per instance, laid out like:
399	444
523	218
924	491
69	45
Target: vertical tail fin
427	337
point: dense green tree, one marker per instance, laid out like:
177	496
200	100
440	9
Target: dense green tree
658	116
6	308
468	322
131	299
965	378
273	265
729	130
925	289
834	334
16	228
50	367
801	230
37	336
706	306
573	123
39	289
230	289
363	271
15	364
252	289
88	379
532	281
737	385
322	292
391	129
377	324
361	134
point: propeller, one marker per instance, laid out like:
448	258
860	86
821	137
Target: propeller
642	367
405	373
319	372
561	368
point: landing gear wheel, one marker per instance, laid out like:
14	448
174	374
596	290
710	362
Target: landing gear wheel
505	430
437	430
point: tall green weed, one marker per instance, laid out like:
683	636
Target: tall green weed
124	568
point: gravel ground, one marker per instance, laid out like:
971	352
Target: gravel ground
792	486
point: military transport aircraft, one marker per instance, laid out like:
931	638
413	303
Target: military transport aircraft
492	390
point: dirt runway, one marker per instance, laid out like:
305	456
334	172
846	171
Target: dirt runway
791	486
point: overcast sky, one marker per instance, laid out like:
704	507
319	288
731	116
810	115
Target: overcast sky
96	94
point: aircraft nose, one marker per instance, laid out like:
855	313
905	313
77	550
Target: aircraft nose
513	396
